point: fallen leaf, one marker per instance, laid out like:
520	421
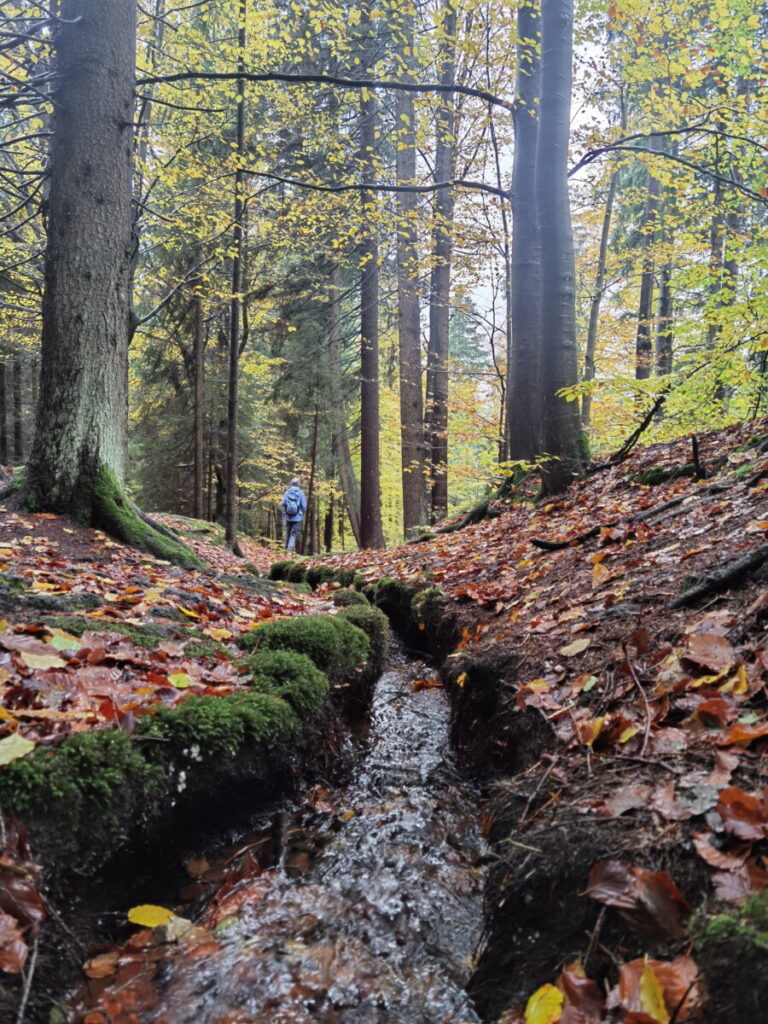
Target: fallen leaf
13	747
545	1006
572	649
149	916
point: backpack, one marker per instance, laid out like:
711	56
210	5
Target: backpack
291	505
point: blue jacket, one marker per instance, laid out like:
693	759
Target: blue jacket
298	494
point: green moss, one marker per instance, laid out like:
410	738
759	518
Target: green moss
290	676
345	577
345	598
302	588
85	777
112	511
220	725
318	574
279	570
295	573
655	475
143	636
430	596
746	925
374	624
334	644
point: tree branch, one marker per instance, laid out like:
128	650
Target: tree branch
377	186
343	83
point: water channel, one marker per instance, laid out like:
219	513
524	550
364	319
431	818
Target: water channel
370	912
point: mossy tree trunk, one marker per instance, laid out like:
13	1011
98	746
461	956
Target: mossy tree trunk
77	462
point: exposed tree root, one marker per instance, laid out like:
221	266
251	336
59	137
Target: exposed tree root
721	580
117	515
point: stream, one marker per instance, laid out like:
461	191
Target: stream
362	905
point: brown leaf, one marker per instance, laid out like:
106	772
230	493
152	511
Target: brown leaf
744	814
717	858
581	993
682	989
103	966
736	885
13	948
649	901
709	651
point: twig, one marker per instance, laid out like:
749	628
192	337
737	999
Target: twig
523	846
535	793
53	913
594	939
27	983
681	1002
639	685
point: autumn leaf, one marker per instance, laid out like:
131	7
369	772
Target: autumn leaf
149	916
42	661
545	1006
181	680
13	747
13	948
572	649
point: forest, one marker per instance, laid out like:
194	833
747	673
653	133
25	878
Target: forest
558	242
488	280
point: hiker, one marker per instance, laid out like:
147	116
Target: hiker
294	505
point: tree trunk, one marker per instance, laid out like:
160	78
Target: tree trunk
523	417
199	411
440	278
18	411
409	323
597	298
3	417
664	328
307	546
562	433
371	534
236	300
78	456
644	338
340	442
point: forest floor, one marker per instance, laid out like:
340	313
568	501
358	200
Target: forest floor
610	691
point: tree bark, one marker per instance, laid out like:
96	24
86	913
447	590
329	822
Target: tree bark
371	534
644	337
3	416
440	278
18	411
78	456
664	327
340	439
236	300
523	416
562	433
597	298
199	408
409	322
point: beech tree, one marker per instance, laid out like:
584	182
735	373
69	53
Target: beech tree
77	464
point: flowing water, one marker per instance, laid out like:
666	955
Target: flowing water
370	913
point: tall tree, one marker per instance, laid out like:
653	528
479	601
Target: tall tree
440	279
409	321
235	309
77	463
523	371
371	533
562	432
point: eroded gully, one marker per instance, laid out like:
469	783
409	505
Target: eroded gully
371	911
